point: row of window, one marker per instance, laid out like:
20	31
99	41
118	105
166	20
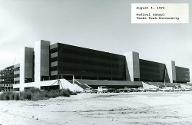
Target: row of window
89	77
87	68
62	48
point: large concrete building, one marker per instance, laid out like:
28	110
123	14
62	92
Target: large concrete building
48	62
7	78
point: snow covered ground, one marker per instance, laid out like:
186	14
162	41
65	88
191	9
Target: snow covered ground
107	109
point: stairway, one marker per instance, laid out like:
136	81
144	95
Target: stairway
80	84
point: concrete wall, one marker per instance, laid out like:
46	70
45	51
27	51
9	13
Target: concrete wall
132	60
26	65
170	65
41	59
190	74
173	71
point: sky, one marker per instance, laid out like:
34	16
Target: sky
97	24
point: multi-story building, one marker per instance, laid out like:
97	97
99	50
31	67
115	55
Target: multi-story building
47	62
7	78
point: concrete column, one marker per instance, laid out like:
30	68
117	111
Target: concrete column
41	60
171	71
190	74
26	66
133	66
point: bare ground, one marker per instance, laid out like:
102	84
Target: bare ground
107	109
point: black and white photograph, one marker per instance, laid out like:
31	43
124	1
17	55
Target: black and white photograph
95	62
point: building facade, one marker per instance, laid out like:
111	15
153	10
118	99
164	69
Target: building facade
48	61
151	71
7	78
182	75
85	63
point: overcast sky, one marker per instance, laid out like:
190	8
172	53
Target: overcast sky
97	24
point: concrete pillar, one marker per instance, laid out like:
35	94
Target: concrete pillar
190	74
171	71
133	66
26	66
41	60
